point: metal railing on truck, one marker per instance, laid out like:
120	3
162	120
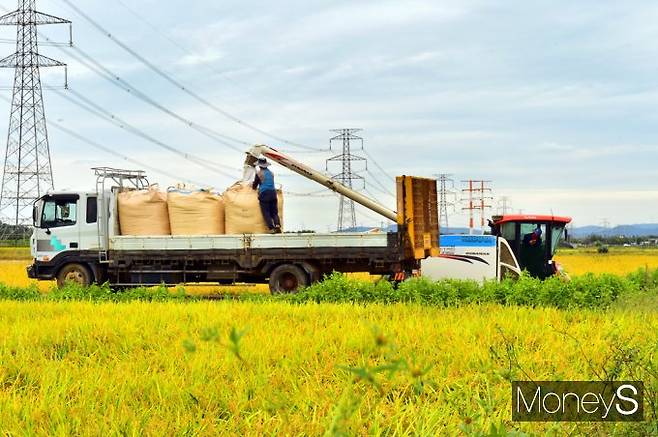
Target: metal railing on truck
107	180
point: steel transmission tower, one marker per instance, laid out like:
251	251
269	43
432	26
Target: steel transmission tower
476	197
446	197
346	212
27	168
504	205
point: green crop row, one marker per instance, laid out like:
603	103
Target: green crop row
587	291
95	293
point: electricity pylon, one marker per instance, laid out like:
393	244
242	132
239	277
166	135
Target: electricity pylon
346	211
28	170
446	198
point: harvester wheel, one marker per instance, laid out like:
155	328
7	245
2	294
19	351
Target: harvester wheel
74	273
287	278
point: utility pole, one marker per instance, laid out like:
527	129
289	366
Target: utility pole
28	170
477	197
504	205
446	197
345	137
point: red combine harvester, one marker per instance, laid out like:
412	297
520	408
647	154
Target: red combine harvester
533	239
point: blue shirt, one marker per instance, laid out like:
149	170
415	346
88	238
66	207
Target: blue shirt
266	182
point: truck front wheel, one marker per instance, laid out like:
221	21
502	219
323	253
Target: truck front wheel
74	273
288	278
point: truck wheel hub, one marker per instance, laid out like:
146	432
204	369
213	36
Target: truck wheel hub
289	282
75	276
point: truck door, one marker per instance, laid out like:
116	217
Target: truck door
56	228
89	222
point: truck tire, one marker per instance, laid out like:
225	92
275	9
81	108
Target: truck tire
75	273
288	278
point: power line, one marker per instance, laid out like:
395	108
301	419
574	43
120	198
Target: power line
381	169
377	221
380	191
102	113
116	80
41	44
124	85
382	187
178	84
185	49
369	193
317	194
123	157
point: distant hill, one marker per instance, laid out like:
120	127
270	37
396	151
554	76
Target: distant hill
640	230
393	228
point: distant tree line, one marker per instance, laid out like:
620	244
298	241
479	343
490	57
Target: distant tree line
12	235
617	240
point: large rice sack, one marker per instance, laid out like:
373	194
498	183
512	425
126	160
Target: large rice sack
143	212
195	212
243	214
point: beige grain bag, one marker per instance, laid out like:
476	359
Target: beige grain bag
143	212
195	212
243	213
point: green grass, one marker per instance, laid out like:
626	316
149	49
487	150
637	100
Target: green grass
586	291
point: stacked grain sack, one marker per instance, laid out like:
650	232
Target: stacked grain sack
243	214
197	212
143	212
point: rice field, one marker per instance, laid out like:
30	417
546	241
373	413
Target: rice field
619	261
253	368
171	368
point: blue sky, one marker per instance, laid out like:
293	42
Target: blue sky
552	101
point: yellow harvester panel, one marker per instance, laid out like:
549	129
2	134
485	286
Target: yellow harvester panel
418	210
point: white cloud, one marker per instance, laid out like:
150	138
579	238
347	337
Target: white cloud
531	95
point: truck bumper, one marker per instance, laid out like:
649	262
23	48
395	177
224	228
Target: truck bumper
31	272
40	270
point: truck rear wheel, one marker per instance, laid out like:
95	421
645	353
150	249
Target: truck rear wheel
74	273
288	278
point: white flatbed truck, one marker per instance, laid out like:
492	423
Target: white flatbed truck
77	238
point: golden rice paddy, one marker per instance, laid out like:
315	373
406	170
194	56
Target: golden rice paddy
174	368
619	261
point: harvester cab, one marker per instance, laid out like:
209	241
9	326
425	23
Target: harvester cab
533	239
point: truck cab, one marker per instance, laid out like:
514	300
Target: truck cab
533	239
65	227
64	220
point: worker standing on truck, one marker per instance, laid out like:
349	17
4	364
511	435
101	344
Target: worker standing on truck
264	182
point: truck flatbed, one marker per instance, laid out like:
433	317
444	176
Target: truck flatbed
85	245
249	241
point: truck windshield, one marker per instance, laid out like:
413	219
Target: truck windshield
58	212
